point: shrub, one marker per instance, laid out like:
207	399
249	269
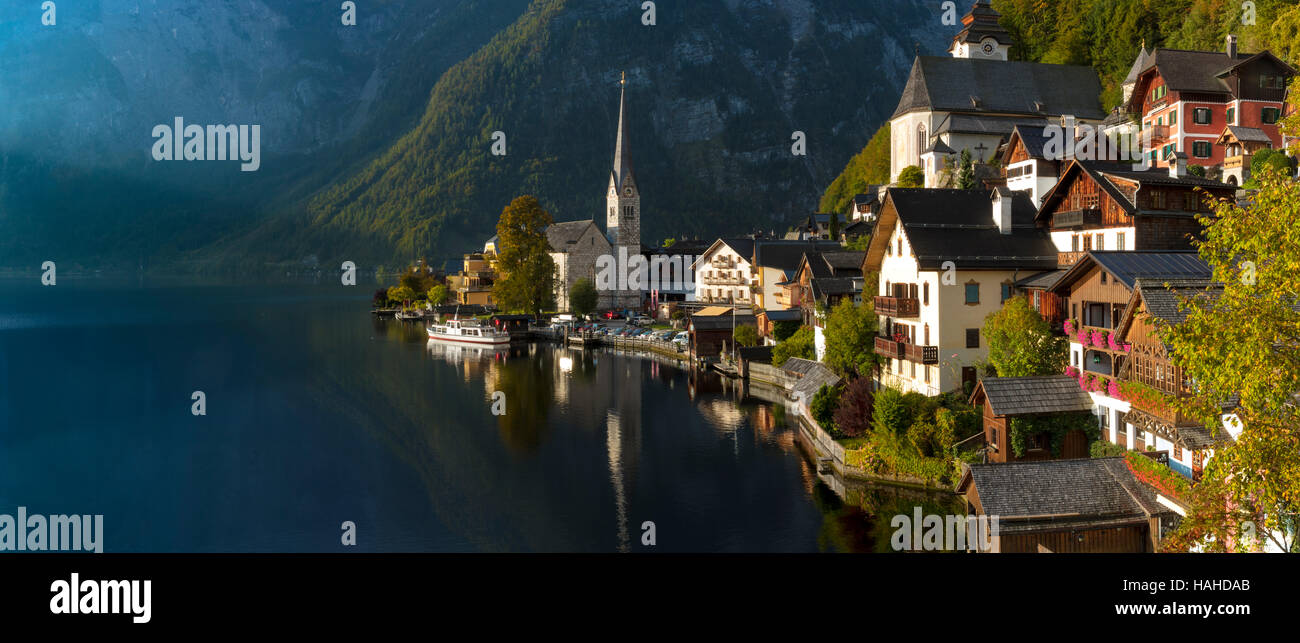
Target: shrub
1104	449
824	403
799	344
853	417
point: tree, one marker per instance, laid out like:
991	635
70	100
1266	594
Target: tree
966	172
834	227
417	278
746	335
782	330
1266	160
801	344
853	417
912	176
1242	343
824	403
859	243
869	167
525	273
583	296
851	339
400	295
1021	342
438	295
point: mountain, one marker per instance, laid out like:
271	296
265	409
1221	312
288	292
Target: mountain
82	96
715	92
1107	35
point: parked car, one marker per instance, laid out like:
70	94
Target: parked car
612	314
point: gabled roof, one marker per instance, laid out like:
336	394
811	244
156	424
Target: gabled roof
1105	173
823	287
740	245
1128	267
786	314
1060	493
1032	138
1042	280
1162	299
984	124
1139	65
785	255
812	375
958	226
1041	395
1244	135
1245	59
947	84
982	22
564	235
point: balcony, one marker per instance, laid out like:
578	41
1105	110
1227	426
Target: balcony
1159	135
1077	218
1233	162
910	352
898	307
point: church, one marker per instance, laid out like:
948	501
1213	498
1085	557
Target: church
577	245
972	99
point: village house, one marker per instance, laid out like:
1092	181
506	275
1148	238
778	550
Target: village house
472	286
1151	375
768	319
1067	506
973	99
776	262
824	280
945	260
724	273
1019	404
1098	289
1186	100
711	330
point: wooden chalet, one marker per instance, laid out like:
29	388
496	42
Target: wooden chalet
1006	398
1150	365
1066	506
1111	206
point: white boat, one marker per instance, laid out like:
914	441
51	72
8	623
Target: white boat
468	331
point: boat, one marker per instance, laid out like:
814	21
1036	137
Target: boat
468	331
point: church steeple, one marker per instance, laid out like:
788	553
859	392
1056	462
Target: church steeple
981	37
623	146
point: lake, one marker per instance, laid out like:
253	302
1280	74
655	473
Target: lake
318	414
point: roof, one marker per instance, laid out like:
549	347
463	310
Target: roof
1127	267
1247	134
982	22
984	124
1033	139
947	84
742	246
958	226
1162	298
1103	173
623	145
822	287
1041	281
811	375
1039	395
713	311
785	255
1139	65
1047	494
562	235
787	314
755	354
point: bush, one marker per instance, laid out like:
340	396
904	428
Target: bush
853	417
912	176
823	407
746	335
799	344
1104	449
782	330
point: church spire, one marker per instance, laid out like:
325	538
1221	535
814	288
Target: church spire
623	147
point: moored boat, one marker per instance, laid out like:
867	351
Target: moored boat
467	331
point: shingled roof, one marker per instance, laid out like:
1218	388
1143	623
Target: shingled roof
958	226
562	236
785	255
1040	395
947	84
1052	494
1102	173
1127	267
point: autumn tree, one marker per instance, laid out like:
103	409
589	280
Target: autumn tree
1241	345
525	273
583	297
438	295
911	176
1021	342
851	339
853	417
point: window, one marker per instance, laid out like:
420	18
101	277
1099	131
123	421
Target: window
926	371
1232	116
1269	115
927	335
900	246
1074	243
1173	117
1119	241
1103	277
1190	202
972	338
913	369
1201	149
1201	116
1100	242
1087	242
1178	452
925	294
1271	82
1157	199
993	438
972	293
1006	292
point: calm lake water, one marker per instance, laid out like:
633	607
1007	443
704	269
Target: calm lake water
318	414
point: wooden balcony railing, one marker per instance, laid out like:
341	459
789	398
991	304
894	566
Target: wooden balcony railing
1159	135
1233	162
1077	218
910	352
898	307
1064	259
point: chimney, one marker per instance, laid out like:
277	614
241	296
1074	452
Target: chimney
1002	198
1178	165
1232	47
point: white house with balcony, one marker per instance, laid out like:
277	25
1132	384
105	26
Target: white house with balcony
725	273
